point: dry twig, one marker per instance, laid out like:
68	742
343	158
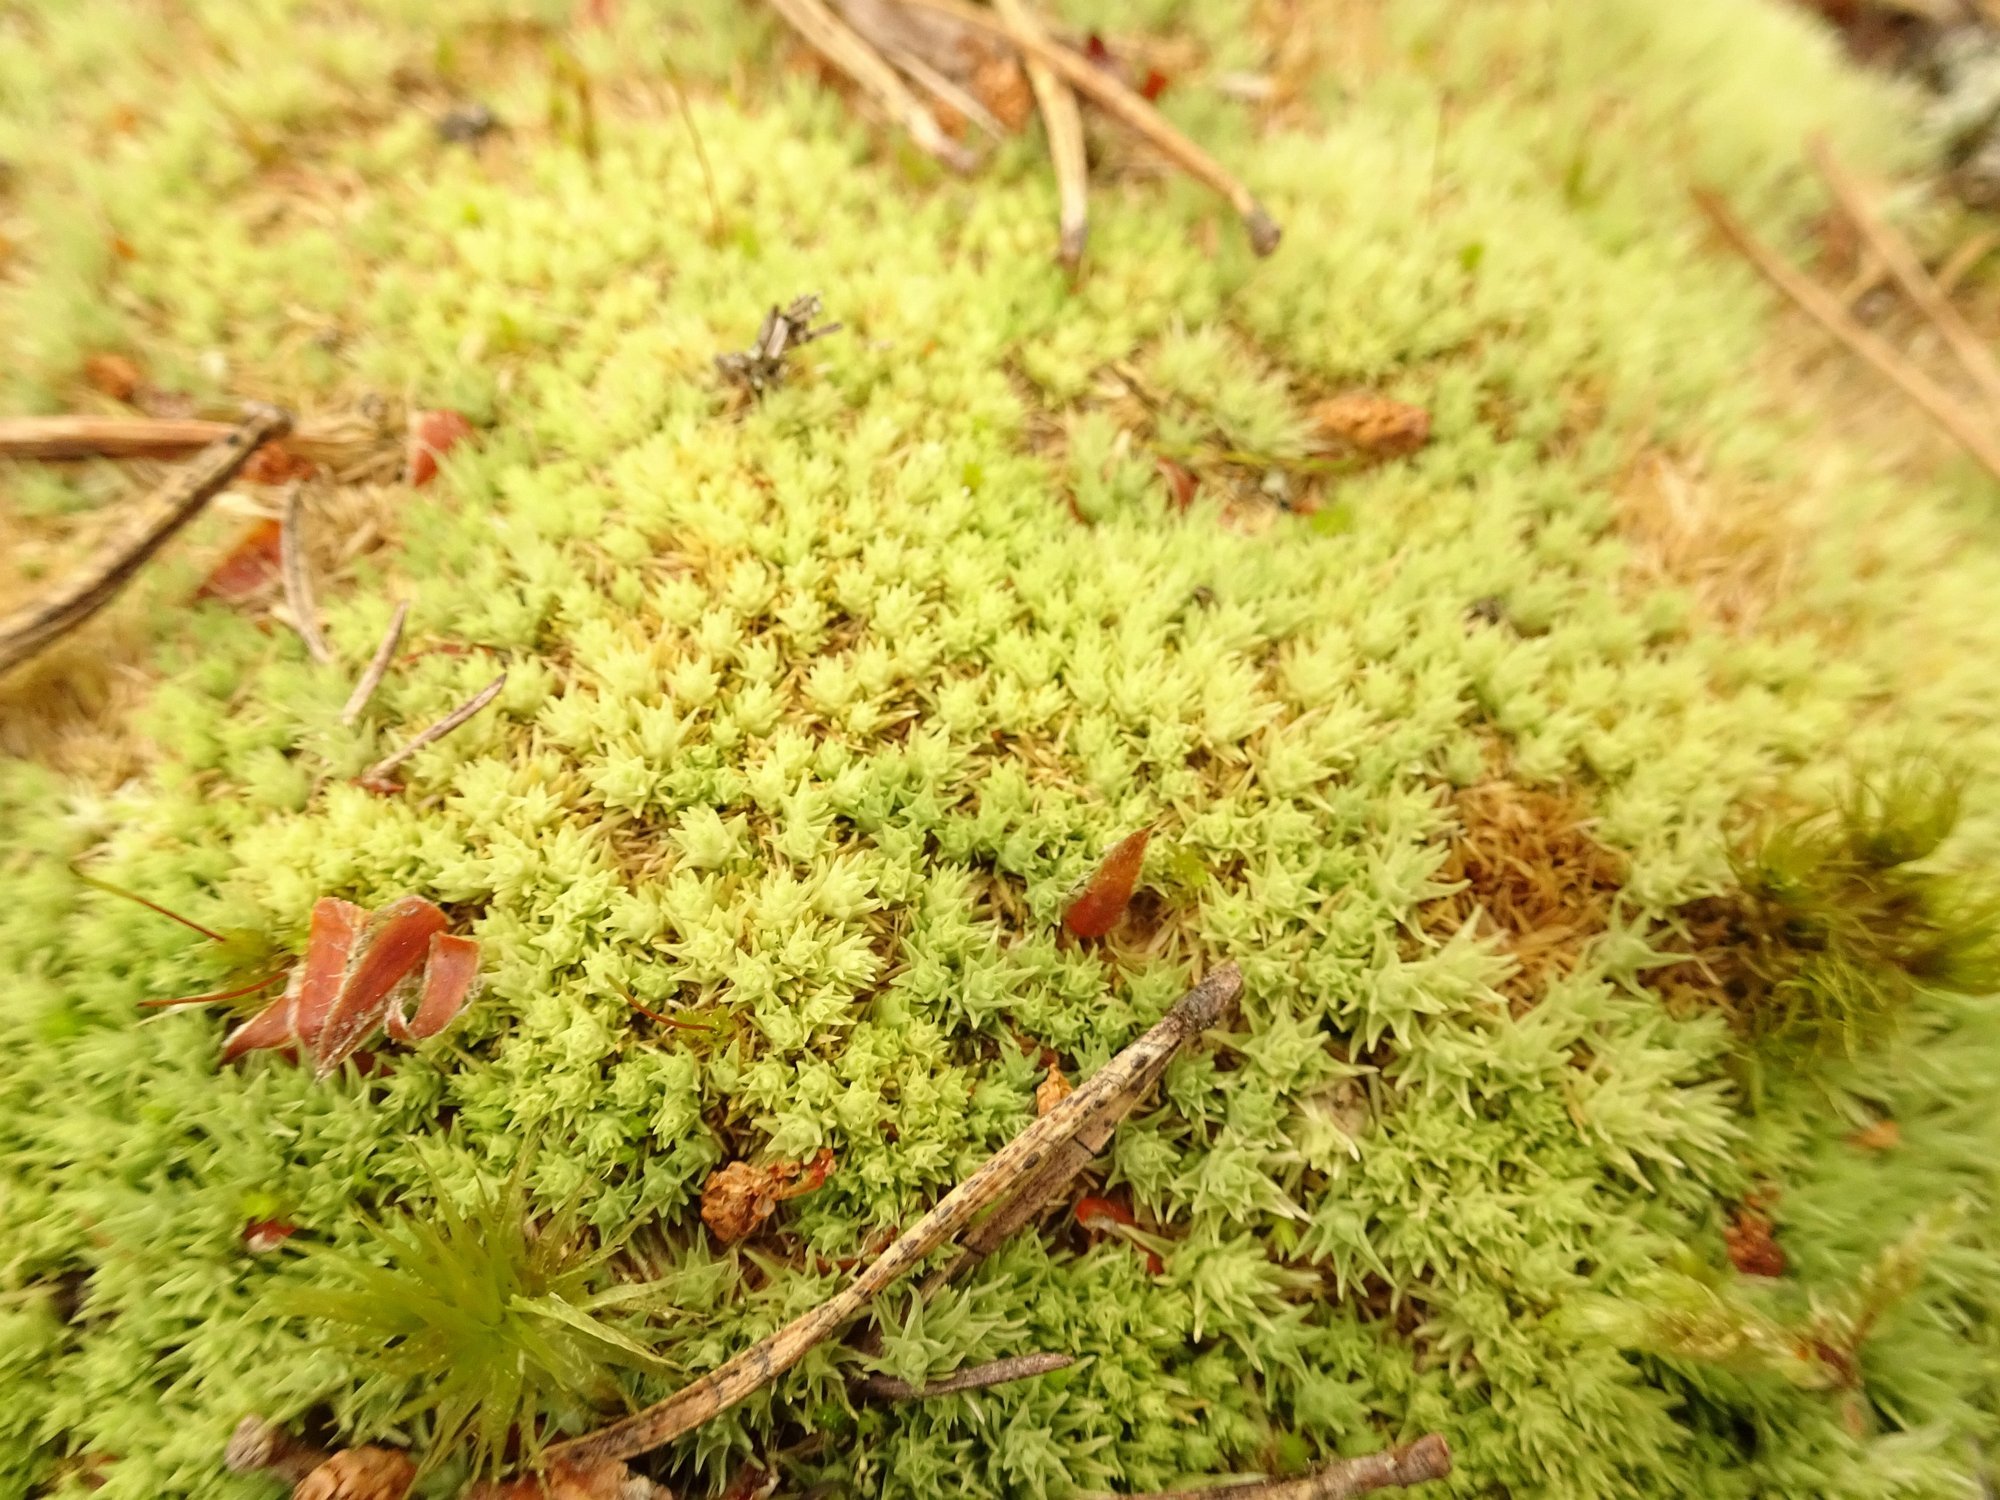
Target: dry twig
844	47
975	1378
1903	263
1414	1463
170	507
946	92
1975	436
1063	123
354	445
378	665
379	772
299	602
1128	108
783	330
1975	248
1019	1161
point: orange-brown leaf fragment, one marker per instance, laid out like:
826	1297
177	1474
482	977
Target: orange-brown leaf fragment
739	1197
112	374
432	435
1376	425
359	1474
1751	1248
1001	84
1052	1090
605	1480
1883	1135
1107	893
250	568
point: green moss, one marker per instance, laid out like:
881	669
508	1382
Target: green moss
808	736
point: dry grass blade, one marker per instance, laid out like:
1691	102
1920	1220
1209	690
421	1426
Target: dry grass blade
994	1180
381	769
1903	263
848	51
977	1378
1129	109
1969	254
298	584
1063	122
1420	1462
378	665
1976	437
947	93
164	512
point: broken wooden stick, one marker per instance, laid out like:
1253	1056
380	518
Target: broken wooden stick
973	1378
1062	122
844	47
1907	268
377	775
1002	1173
1971	433
353	444
170	507
945	91
1128	108
378	665
1420	1462
299	603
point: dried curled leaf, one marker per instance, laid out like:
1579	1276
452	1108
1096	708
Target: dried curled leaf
359	1474
1052	1090
606	1480
113	375
1107	893
1375	425
432	434
1751	1248
250	567
739	1197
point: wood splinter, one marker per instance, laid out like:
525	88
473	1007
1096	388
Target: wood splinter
1062	122
1015	1168
299	602
176	502
378	665
850	52
1420	1462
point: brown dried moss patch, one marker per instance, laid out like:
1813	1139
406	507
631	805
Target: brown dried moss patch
1531	875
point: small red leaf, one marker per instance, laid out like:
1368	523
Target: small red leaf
270	1028
451	972
397	939
250	567
432	435
1092	1213
266	1235
1751	1248
1107	893
329	944
1181	483
1155	84
1096	51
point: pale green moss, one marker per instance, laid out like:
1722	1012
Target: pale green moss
818	709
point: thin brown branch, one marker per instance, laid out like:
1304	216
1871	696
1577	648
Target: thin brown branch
1129	109
844	47
1903	263
1972	434
1420	1462
107	437
974	1378
170	507
755	1367
1062	121
299	603
378	665
379	772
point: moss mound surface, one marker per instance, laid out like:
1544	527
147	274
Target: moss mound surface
819	706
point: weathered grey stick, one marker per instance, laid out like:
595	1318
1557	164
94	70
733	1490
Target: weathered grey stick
973	1378
1062	122
1394	1468
381	769
299	601
1019	1160
170	507
378	666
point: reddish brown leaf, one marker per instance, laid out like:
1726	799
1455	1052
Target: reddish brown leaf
1883	1135
607	1480
1751	1248
1097	908
1154	85
269	1029
112	374
1182	484
250	568
359	1474
1373	424
397	939
1001	84
450	973
336	924
432	435
266	1235
739	1197
274	463
1109	1216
